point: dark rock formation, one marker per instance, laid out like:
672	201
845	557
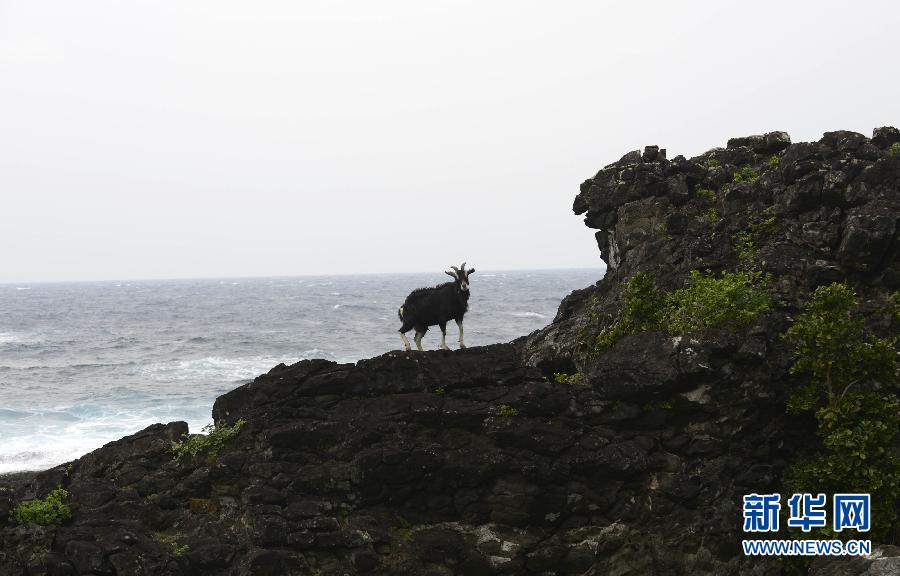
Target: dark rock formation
478	461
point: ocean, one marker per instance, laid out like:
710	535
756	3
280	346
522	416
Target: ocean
82	364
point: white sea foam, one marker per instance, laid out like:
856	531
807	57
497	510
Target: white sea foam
21	338
528	315
316	353
213	368
48	443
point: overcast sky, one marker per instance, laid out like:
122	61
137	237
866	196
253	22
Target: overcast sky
174	139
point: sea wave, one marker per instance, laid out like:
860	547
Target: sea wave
215	368
20	338
528	315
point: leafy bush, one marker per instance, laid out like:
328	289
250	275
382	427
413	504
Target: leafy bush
745	240
571	379
705	193
507	411
403	529
178	550
663	230
833	347
745	247
732	301
894	150
52	510
211	442
859	428
642	310
712	162
858	435
773	162
712	216
745	174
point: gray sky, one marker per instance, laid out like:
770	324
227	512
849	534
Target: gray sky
160	139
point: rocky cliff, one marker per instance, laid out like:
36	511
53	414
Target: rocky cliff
481	461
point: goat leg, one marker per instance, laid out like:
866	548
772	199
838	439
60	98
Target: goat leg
444	337
418	340
461	343
405	341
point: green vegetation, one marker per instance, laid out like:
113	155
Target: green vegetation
774	161
507	411
643	307
663	231
712	216
712	163
571	379
659	405
732	300
745	174
178	550
858	419
702	192
833	346
745	247
745	240
894	150
440	391
211	442
51	511
403	530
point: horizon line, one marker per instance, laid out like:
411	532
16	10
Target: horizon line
20	283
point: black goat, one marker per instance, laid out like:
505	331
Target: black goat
426	307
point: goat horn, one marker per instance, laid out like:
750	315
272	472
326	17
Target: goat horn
463	267
455	268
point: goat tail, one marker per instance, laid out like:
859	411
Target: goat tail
400	313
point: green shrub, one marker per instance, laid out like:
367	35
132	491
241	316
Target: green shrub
731	301
571	379
745	247
773	162
858	419
642	310
712	216
403	529
507	411
702	192
894	150
831	345
745	240
763	226
659	405
745	174
858	437
663	231
712	162
211	441
52	510
178	550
